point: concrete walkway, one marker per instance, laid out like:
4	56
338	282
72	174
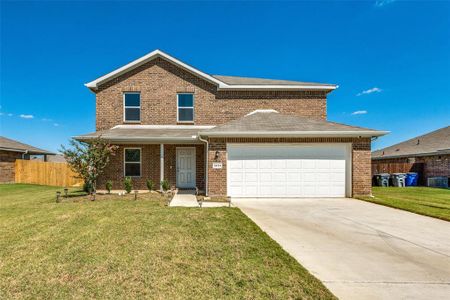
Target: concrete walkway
184	198
187	198
360	250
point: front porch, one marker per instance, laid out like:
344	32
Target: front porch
182	165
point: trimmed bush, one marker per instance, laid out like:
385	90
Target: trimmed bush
128	184
109	186
165	184
150	185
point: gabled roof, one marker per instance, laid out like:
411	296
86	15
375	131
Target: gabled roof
222	82
15	146
433	143
269	123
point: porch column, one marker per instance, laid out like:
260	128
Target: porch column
161	165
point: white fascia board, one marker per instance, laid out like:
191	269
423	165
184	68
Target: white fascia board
13	150
143	139
148	57
163	127
295	134
277	87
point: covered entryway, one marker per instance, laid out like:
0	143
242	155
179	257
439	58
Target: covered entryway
289	170
185	167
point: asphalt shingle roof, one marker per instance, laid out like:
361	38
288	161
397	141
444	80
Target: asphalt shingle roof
271	121
235	80
435	142
12	145
143	133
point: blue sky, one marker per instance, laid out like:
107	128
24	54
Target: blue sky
391	59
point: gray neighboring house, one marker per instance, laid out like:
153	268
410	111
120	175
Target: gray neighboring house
428	154
10	150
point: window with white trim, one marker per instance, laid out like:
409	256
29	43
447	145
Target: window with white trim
132	162
185	108
132	107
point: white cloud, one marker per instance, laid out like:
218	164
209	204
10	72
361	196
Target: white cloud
370	91
359	112
381	3
55	124
46	120
26	116
10	115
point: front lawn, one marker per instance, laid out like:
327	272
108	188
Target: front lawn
426	201
122	248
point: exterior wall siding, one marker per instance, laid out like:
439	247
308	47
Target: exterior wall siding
159	81
361	167
7	165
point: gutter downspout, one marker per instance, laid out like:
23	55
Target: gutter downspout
23	154
206	163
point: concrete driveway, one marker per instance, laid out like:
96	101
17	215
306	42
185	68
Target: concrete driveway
360	250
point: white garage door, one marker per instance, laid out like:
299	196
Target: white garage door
300	170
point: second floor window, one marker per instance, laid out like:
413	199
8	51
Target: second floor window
185	108
132	107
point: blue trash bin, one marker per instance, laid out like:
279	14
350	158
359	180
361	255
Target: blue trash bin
411	179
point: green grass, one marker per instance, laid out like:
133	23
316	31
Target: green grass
120	248
432	202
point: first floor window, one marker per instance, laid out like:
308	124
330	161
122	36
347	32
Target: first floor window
132	159
185	107
132	106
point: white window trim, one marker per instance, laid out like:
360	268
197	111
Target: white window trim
125	107
132	162
193	105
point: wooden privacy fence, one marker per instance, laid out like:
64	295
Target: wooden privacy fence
45	173
380	166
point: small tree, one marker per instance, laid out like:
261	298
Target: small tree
89	159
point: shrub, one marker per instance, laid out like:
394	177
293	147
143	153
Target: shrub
165	184
87	187
109	186
128	184
150	185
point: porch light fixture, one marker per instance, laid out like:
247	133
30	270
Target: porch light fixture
216	155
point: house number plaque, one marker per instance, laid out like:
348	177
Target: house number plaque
217	165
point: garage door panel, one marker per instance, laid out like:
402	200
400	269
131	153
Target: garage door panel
286	171
236	177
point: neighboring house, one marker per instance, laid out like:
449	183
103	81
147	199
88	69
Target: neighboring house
57	158
10	150
235	136
428	154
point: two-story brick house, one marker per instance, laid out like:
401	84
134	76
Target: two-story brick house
242	137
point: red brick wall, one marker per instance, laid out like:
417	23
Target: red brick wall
159	82
151	166
7	165
115	169
361	167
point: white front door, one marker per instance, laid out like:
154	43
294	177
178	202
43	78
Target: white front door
290	170
186	167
